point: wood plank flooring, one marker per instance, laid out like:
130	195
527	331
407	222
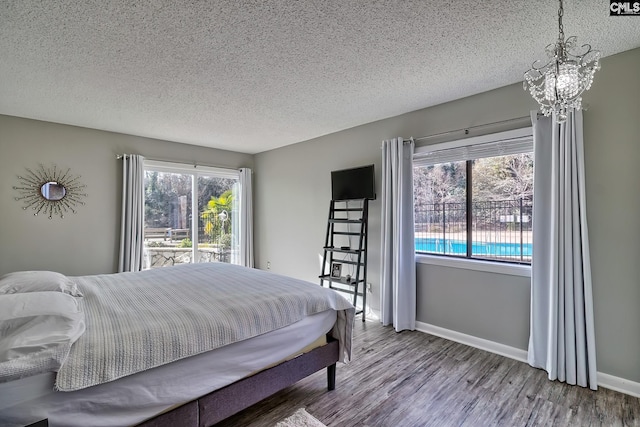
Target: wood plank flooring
415	379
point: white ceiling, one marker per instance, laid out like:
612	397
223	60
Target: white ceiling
251	76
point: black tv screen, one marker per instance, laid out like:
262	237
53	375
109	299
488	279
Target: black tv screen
355	183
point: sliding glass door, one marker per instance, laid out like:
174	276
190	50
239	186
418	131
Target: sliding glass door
191	215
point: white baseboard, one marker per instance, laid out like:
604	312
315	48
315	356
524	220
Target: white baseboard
374	313
631	388
470	340
611	382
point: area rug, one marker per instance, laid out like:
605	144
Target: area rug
300	418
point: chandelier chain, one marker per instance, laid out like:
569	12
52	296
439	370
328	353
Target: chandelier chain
560	26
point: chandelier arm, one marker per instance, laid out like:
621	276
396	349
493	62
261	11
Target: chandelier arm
535	66
588	50
585	50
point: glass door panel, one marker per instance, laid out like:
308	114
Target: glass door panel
167	220
217	219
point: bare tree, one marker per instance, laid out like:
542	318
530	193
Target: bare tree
503	178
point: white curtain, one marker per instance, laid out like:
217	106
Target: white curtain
397	264
246	222
132	225
562	338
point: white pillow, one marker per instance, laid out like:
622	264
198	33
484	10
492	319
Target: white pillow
37	281
37	330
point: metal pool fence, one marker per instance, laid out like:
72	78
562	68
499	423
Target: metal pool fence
498	230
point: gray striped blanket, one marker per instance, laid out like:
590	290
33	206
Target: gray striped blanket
137	321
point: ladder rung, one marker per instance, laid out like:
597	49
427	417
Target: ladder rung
341	280
345	221
348	210
346	233
346	261
346	251
331	279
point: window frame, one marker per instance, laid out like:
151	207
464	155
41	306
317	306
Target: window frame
463	147
195	171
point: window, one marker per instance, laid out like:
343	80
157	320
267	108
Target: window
473	198
190	215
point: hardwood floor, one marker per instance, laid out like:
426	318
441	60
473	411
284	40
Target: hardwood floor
415	379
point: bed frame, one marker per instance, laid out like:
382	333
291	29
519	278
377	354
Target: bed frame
227	401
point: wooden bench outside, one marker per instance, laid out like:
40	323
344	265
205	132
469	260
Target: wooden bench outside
157	233
179	233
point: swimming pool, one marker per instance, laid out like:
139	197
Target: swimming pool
459	247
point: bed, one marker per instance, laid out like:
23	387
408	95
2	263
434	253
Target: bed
185	345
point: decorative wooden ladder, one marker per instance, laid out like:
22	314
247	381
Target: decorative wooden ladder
335	255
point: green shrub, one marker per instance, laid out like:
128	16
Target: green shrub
156	245
225	241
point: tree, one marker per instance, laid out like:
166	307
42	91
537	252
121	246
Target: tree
164	191
217	218
498	186
441	183
162	199
439	192
503	178
209	187
502	189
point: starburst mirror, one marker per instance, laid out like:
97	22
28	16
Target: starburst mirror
50	191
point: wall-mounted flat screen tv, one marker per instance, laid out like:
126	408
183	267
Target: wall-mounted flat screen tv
355	183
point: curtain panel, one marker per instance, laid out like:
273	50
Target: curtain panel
132	224
398	258
562	337
246	222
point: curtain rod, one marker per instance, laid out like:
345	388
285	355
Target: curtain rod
466	130
194	164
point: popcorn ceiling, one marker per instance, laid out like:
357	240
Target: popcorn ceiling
250	76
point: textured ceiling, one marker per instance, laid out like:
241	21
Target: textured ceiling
250	76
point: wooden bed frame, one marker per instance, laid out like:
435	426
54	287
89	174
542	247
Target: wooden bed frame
227	401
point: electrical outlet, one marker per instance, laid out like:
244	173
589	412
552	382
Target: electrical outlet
368	287
268	265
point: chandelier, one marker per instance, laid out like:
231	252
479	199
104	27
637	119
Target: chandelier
558	84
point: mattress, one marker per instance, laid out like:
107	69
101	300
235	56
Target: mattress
135	398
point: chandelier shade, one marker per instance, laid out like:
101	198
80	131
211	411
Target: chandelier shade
558	82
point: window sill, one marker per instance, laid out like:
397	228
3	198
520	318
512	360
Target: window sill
477	265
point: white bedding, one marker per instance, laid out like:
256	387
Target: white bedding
135	398
37	330
138	321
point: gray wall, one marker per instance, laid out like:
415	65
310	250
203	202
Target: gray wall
612	163
486	305
87	242
293	191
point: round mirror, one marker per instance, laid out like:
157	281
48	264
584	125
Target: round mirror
50	191
53	191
